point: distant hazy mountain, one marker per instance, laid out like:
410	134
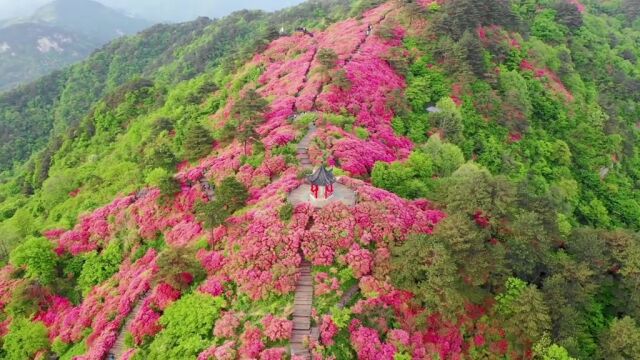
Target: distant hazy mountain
183	10
57	34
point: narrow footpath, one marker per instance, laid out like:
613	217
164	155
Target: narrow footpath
302	305
303	299
119	348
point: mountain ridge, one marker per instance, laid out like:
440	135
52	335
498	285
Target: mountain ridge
473	137
57	35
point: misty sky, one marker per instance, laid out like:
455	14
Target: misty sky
157	10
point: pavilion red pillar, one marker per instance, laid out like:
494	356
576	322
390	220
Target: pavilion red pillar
328	191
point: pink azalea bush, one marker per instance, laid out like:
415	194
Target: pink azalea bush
92	229
226	325
328	330
277	328
145	323
251	343
105	308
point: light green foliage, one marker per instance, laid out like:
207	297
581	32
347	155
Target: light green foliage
404	356
361	133
70	353
303	120
426	89
187	327
524	310
445	157
99	267
286	212
472	188
517	106
25	339
545	350
402	178
448	121
414	177
514	288
163	180
160	154
545	27
343	121
37	255
341	317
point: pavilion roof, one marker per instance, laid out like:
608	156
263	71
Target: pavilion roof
322	177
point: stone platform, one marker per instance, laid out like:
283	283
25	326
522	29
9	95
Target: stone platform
303	195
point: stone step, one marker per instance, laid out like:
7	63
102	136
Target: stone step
315	333
300	336
301	323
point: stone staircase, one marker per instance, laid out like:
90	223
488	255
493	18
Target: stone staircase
303	148
119	348
302	305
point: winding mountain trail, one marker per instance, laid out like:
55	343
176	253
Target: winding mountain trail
304	295
119	348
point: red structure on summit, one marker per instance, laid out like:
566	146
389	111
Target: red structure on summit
322	179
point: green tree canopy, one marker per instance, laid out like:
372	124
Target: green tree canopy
25	339
38	257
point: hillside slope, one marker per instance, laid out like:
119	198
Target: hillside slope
493	172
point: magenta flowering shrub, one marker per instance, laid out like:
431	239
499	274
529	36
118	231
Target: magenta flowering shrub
325	284
251	342
105	308
360	261
227	325
212	261
372	81
163	295
273	354
146	321
328	330
214	285
183	233
93	229
145	324
277	328
55	305
553	80
224	352
264	257
367	343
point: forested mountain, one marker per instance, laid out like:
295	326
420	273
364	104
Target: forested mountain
485	203
56	35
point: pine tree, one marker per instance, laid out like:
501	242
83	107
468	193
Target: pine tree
462	15
175	261
328	60
197	143
248	111
568	14
426	268
631	9
474	53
